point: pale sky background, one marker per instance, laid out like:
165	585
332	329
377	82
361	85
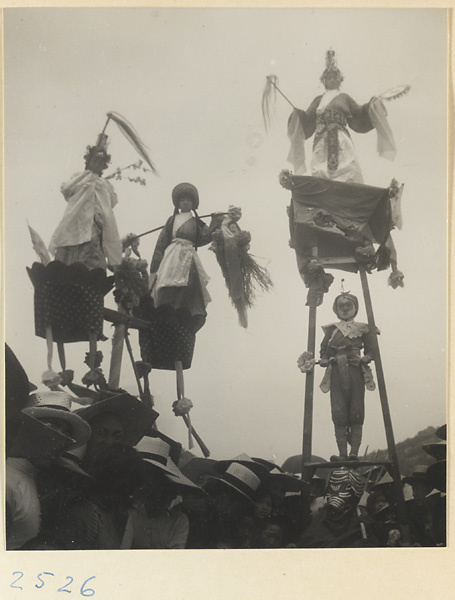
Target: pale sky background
191	81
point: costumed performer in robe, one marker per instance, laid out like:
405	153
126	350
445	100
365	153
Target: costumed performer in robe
69	292
178	283
329	118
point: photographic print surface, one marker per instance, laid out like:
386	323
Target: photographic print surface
232	218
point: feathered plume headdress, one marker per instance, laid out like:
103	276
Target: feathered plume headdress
131	135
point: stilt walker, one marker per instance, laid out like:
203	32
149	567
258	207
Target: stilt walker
337	222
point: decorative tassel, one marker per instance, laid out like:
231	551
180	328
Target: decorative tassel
396	92
269	99
131	135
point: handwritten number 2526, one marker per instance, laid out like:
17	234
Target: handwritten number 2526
84	591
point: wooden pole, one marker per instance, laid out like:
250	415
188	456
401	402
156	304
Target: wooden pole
402	514
309	388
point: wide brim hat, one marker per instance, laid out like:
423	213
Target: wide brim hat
37	439
154	451
57	405
419	474
291	482
194	467
259	469
441	432
437	475
185	189
17	385
71	462
437	450
240	478
267	463
135	416
179	479
386	480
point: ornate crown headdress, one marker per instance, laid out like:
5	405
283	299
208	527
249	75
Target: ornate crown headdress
331	65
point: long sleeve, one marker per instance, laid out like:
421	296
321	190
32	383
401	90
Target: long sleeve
163	242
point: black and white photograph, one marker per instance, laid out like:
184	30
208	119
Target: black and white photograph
225	284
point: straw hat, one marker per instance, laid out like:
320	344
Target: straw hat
437	450
154	451
135	416
36	439
241	479
193	466
259	469
185	189
57	405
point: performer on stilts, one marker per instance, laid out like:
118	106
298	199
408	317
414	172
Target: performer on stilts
329	118
69	292
347	373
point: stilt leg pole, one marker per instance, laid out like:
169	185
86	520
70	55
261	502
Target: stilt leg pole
180	394
309	392
309	389
116	356
133	363
402	514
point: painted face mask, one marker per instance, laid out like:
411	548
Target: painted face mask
344	490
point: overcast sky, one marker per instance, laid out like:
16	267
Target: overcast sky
191	81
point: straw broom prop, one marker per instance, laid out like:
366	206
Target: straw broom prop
241	272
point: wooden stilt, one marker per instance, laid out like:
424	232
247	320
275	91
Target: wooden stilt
186	419
309	389
61	355
133	363
392	451
309	392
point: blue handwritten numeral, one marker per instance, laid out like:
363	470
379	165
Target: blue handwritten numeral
87	591
62	589
13	585
42	582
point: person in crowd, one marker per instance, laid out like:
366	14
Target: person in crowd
337	524
157	521
47	428
232	497
120	419
271	533
103	520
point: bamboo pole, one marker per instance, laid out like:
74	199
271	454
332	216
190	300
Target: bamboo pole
392	451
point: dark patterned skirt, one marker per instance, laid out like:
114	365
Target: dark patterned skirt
171	336
69	299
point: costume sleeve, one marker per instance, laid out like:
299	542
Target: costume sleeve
385	146
163	242
324	353
204	235
359	119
